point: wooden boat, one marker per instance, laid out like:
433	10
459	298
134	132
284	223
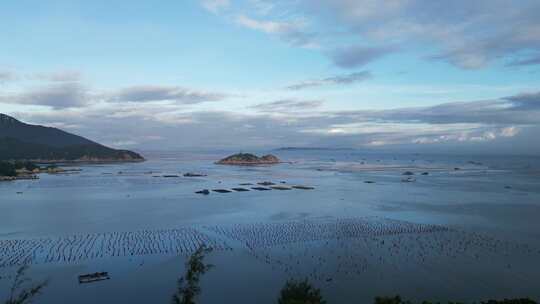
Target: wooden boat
93	277
191	174
408	180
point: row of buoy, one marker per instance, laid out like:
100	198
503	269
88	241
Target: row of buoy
272	234
72	249
350	258
326	249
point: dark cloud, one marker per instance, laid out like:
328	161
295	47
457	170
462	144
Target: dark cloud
514	110
288	105
528	101
526	61
356	56
339	79
149	93
67	95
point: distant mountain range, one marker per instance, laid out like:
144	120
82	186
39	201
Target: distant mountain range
313	149
21	141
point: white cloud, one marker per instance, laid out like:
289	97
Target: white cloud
215	5
292	31
468	35
510	131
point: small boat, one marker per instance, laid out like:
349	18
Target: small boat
93	277
170	175
191	174
204	191
408	180
265	183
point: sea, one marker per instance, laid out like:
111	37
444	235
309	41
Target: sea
356	224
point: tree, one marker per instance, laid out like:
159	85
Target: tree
7	169
188	286
300	292
19	295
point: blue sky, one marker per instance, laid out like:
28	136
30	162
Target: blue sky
273	72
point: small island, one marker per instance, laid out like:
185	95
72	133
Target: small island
245	159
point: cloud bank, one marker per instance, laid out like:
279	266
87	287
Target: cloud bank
507	122
465	34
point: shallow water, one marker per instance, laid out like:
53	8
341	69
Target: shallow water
497	198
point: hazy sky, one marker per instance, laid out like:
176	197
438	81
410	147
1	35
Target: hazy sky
458	75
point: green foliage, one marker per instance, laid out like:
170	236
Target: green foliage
300	292
20	295
188	286
398	300
7	169
25	165
389	300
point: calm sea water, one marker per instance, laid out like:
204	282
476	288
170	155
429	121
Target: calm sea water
494	196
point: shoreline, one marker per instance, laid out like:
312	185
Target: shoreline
76	161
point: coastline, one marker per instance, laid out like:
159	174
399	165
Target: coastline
80	161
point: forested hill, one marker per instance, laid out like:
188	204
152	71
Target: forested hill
21	141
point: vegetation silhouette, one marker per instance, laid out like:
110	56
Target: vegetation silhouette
9	168
188	286
300	292
20	295
293	292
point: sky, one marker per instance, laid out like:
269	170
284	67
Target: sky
415	75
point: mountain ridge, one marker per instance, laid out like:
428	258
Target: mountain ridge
22	141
